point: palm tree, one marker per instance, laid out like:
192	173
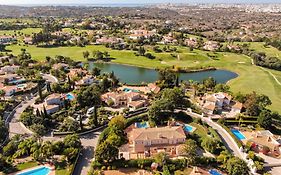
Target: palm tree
46	150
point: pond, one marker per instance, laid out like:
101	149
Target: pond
137	75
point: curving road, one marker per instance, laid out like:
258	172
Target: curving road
15	126
229	142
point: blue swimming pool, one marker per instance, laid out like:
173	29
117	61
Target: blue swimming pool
142	125
17	81
70	96
39	171
188	128
214	172
238	134
129	90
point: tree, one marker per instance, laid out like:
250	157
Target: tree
72	141
210	144
222	88
106	54
2	93
106	152
167	77
40	91
161	158
209	83
141	51
189	150
96	71
70	154
236	166
69	125
265	119
89	96
118	121
3	131
86	54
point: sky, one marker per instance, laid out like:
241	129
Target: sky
61	2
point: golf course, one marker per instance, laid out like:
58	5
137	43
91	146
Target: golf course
251	77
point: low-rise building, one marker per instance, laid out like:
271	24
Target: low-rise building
220	102
10	69
54	99
146	142
191	42
131	99
211	46
137	34
169	40
236	108
264	141
50	109
109	40
88	80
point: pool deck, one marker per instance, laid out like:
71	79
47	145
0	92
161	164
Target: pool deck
52	172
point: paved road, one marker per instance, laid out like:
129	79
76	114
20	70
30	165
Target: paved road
226	137
89	143
50	78
16	127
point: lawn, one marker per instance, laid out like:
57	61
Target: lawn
26	165
27	31
251	78
200	130
259	47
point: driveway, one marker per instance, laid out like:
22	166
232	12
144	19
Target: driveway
89	143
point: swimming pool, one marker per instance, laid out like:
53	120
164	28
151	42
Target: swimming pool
129	90
238	134
38	171
17	81
214	172
188	128
70	96
142	125
21	85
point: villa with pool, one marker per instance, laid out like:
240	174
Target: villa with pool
261	141
144	141
53	103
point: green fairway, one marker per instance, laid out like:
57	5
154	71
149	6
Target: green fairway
27	31
259	47
251	78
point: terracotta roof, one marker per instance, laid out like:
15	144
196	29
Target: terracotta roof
211	98
52	96
136	103
238	105
265	141
157	133
211	107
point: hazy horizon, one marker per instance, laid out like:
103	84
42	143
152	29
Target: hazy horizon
110	2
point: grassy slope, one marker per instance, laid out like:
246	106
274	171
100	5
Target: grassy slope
251	78
26	165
